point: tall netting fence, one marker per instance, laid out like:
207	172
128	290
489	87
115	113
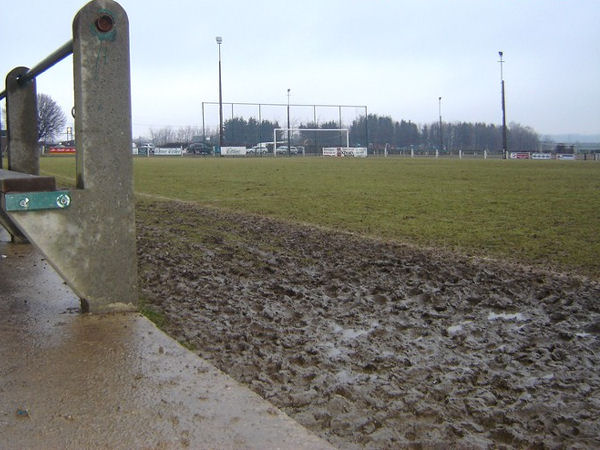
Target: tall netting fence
252	125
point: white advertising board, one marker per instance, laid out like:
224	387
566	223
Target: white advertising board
360	152
541	156
357	152
233	151
566	157
168	151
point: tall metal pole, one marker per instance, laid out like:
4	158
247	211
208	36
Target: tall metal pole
203	126
316	125
367	129
441	129
340	123
504	140
289	139
219	42
259	126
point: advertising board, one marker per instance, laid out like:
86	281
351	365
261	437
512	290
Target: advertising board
233	151
566	156
168	151
360	152
61	150
541	156
357	152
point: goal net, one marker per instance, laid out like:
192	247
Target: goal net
308	141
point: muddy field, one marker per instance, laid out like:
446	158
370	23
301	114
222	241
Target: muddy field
379	345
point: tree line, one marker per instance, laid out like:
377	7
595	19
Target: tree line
466	136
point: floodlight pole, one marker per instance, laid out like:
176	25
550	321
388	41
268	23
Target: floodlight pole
441	132
289	139
203	125
367	129
219	42
340	122
504	140
259	125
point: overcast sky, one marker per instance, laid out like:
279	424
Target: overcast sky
396	57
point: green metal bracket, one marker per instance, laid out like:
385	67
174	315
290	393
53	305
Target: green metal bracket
35	201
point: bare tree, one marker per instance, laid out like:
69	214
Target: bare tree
185	134
51	118
162	136
168	135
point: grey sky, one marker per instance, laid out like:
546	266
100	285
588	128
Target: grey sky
397	57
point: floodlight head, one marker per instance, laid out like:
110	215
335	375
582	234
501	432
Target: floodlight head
219	40
500	53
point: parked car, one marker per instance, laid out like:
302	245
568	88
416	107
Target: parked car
257	150
283	149
262	148
200	148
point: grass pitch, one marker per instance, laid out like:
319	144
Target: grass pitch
540	212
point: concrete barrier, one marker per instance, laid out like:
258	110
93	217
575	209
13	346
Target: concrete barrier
90	238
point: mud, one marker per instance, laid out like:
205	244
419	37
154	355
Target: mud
375	344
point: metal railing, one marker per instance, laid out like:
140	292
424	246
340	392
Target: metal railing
52	59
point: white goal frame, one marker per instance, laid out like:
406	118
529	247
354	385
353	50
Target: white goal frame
291	130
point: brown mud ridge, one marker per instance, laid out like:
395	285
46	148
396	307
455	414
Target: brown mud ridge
374	344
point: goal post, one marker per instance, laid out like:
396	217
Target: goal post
299	136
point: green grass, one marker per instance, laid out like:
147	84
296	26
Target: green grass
541	212
159	319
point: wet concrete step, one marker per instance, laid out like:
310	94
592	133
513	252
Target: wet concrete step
69	380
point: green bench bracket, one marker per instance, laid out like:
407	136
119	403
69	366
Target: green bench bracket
35	201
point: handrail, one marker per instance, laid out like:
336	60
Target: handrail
55	57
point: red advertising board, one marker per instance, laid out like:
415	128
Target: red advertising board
519	155
61	150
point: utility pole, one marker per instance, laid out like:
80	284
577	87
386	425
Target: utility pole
289	138
441	129
219	42
504	140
